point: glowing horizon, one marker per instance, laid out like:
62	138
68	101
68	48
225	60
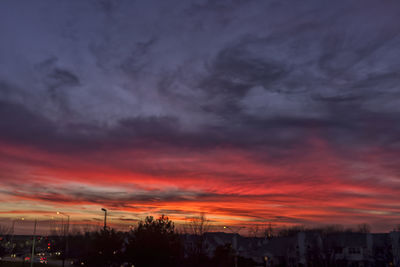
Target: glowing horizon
252	113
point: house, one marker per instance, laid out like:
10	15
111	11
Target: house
313	248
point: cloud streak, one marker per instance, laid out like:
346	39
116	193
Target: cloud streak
266	111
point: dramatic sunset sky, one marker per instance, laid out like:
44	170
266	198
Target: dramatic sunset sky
251	111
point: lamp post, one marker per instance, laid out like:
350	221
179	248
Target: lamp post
33	243
105	218
66	234
236	233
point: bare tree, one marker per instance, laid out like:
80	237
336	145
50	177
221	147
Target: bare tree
76	230
197	227
364	228
254	231
269	231
5	230
57	228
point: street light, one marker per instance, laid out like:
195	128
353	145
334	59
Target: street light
66	234
33	242
105	218
236	233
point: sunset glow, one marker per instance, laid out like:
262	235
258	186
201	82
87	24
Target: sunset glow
254	115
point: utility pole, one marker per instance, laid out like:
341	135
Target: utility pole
33	243
12	237
66	234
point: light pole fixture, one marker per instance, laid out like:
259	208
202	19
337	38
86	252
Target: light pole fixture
33	242
105	218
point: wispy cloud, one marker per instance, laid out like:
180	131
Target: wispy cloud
267	110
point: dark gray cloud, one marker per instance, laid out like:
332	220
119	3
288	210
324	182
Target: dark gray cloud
259	76
235	71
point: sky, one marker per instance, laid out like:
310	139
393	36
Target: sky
252	112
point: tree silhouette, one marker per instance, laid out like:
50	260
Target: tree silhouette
4	237
363	228
105	249
196	249
154	242
223	256
2	247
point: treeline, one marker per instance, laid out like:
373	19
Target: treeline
329	229
157	242
152	243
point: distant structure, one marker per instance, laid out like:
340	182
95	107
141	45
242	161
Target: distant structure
313	248
334	249
395	240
